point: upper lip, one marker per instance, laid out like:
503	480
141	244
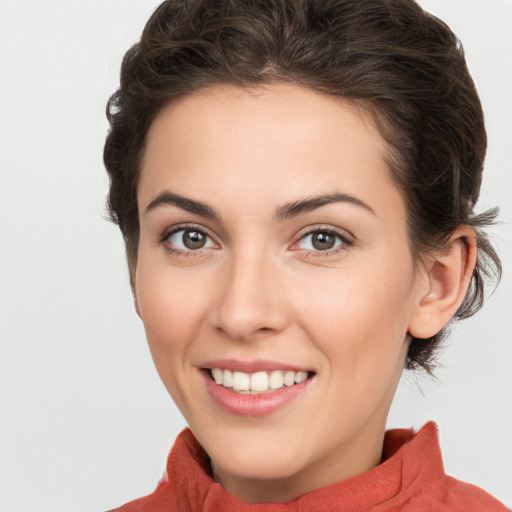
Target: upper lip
257	365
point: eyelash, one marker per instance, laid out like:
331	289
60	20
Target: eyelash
166	235
346	242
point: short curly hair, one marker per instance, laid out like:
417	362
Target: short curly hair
401	64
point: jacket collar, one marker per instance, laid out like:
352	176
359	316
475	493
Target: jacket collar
412	462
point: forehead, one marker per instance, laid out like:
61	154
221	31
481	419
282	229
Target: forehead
272	142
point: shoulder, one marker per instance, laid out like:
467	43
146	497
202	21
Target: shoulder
185	483
465	497
161	500
425	485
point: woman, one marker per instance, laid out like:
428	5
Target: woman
295	183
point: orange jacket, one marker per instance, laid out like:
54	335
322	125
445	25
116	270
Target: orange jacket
411	479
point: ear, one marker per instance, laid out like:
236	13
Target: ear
447	277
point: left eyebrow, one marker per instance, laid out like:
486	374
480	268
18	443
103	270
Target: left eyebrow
295	208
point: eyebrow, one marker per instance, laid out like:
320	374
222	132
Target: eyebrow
295	208
190	205
284	212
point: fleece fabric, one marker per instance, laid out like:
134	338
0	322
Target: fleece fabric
411	479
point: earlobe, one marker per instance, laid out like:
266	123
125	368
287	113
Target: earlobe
448	275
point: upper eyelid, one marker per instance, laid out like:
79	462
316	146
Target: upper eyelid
346	238
185	227
164	240
343	234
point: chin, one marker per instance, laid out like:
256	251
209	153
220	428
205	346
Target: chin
255	453
258	466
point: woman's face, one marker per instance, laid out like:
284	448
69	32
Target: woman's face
273	246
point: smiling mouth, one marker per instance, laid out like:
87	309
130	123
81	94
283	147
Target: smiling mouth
258	382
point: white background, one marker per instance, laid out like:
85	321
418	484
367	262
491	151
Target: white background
85	424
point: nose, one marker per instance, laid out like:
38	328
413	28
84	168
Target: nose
250	298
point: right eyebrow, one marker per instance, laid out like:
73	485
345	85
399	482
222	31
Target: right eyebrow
189	205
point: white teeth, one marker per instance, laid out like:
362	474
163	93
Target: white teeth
217	375
276	380
301	377
227	379
259	382
289	378
241	381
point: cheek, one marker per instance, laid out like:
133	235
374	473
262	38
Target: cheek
170	306
359	317
171	310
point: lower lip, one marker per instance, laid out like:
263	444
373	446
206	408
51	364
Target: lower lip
252	405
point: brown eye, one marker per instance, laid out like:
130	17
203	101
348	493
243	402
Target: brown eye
322	241
193	240
187	240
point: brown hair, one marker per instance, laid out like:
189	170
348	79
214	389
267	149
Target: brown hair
401	64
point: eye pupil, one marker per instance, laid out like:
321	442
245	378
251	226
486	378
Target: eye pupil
322	241
193	239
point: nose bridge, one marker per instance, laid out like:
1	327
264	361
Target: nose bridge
249	298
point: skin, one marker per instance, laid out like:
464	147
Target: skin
259	289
